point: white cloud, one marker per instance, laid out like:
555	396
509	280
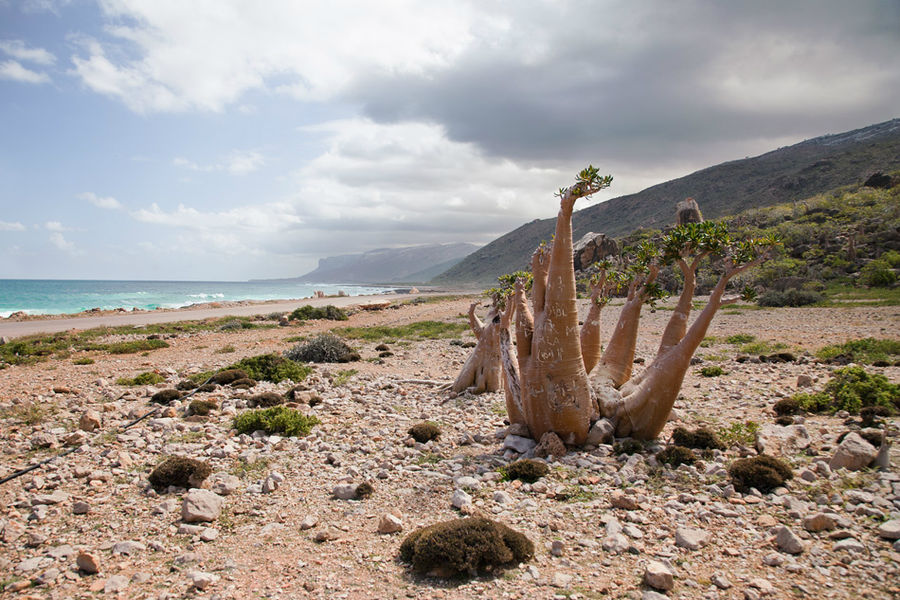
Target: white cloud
14	226
58	240
108	202
55	226
194	56
18	49
38	6
236	163
13	70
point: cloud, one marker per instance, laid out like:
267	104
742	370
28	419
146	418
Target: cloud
55	226
108	203
18	49
39	6
236	163
58	240
14	226
14	71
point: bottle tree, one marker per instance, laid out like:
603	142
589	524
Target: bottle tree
558	380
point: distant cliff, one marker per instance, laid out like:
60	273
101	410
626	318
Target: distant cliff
413	264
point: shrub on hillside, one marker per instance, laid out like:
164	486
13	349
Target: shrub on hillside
790	297
527	470
850	389
179	471
332	313
762	472
271	367
877	273
278	419
324	348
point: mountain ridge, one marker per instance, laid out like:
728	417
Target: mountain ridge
789	173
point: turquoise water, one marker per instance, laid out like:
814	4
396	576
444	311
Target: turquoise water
52	296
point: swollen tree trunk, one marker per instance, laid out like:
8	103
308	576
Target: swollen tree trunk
482	371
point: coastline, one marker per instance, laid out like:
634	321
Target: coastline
34	324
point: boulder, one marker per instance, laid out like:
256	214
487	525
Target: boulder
853	454
776	440
657	575
591	248
201	505
692	539
890	530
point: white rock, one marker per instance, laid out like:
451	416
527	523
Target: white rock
389	523
890	530
776	440
308	522
615	543
201	505
501	497
601	432
854	453
344	491
657	575
116	583
201	580
518	443
852	545
692	539
128	547
460	499
224	484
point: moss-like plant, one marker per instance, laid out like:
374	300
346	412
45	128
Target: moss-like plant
464	547
179	471
165	396
628	446
148	378
201	407
324	348
784	420
866	351
271	367
278	419
869	414
787	406
424	432
243	384
265	400
364	490
527	470
762	472
676	455
700	438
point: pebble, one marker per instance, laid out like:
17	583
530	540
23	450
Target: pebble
460	498
692	539
657	575
201	505
202	580
116	583
890	530
308	522
787	541
389	523
344	491
88	562
128	547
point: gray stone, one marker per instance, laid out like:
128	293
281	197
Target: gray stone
501	497
460	499
344	491
615	543
657	575
201	580
89	421
128	547
308	522
224	484
692	539
81	508
33	564
56	497
819	522
467	482
201	505
389	523
591	248
890	530
851	545
518	443
651	595
61	551
720	581
787	541
853	454
114	584
557	548
776	440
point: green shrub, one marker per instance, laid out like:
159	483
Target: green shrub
83	361
465	546
332	313
739	433
712	371
424	432
225	377
628	446
762	472
676	455
278	419
130	347
324	348
421	330
864	351
892	258
527	470
271	367
850	389
701	439
789	297
148	378
740	338
179	471
236	324
877	273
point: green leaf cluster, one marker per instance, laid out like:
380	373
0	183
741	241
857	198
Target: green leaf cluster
278	419
851	389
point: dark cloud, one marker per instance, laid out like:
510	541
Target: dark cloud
694	79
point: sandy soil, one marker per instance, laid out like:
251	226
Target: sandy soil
265	544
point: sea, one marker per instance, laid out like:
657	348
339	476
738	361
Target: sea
63	296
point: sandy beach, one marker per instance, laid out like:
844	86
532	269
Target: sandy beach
597	520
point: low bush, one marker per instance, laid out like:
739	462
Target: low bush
364	490
464	547
179	471
712	371
201	407
784	420
850	389
165	396
148	378
527	470
278	419
225	377
789	297
869	414
421	330
271	367
701	439
628	446
762	472
676	455
424	432
787	406
739	339
739	433
332	313
83	361
324	348
877	273
265	400
862	351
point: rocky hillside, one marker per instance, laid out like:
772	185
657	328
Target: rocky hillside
413	264
783	175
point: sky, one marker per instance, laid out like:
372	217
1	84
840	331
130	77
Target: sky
230	140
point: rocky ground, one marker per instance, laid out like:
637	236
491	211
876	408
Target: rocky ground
270	525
